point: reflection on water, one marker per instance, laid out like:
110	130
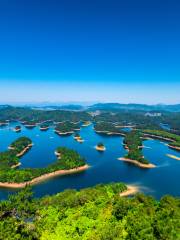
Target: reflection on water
104	166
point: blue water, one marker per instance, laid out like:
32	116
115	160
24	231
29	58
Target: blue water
104	166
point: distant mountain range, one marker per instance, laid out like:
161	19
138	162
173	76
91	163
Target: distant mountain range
134	106
106	107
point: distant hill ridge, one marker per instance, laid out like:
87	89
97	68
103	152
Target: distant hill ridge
104	107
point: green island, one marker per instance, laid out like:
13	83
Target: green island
66	128
10	158
78	138
100	147
68	161
44	126
95	213
173	139
29	124
17	128
107	128
133	143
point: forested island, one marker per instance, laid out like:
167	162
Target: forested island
17	128
133	143
66	128
44	126
68	161
139	117
107	128
10	158
100	147
94	213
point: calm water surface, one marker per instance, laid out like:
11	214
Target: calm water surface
104	168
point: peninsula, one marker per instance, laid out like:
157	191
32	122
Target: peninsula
133	144
68	162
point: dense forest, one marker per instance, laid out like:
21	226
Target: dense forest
69	159
10	157
141	118
67	127
96	213
28	115
105	127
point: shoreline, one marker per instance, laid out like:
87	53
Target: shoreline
131	190
174	147
173	156
159	137
142	165
23	151
44	177
63	133
43	128
100	148
110	133
16	165
86	124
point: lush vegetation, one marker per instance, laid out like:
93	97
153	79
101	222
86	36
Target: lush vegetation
165	134
67	127
9	158
20	144
68	159
96	213
101	145
133	143
106	127
33	116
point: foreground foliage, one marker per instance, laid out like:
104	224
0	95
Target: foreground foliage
96	213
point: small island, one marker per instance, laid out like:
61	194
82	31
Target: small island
30	124
44	127
86	124
17	128
2	124
66	128
100	147
107	128
78	138
133	143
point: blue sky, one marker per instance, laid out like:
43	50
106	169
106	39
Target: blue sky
98	50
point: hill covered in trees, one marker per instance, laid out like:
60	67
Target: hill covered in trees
96	213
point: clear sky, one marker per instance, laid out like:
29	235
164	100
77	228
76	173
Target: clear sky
90	50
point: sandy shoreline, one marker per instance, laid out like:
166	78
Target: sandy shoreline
100	148
44	128
86	124
174	147
159	137
63	133
173	156
131	190
142	165
16	165
23	151
43	177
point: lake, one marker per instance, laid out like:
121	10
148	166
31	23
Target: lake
164	179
